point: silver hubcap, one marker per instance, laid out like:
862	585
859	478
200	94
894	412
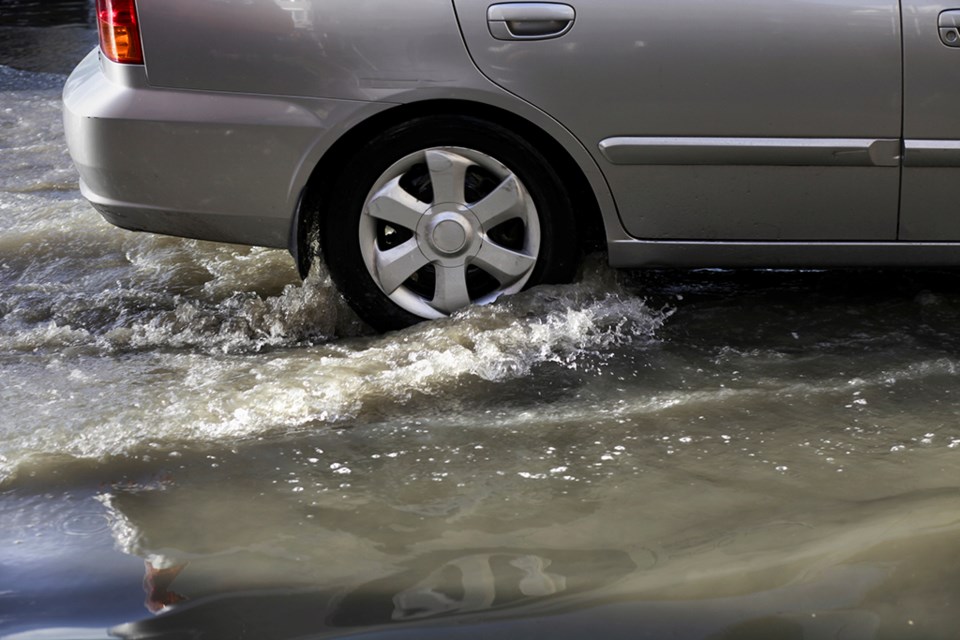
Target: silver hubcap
433	258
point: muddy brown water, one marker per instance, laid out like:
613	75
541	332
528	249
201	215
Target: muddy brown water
195	444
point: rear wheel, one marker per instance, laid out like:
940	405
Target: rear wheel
442	212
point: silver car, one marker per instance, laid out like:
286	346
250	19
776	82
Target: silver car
440	153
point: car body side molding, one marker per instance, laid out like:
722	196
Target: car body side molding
805	152
931	153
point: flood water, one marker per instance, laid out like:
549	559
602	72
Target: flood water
193	444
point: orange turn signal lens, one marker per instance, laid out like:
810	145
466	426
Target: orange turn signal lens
119	31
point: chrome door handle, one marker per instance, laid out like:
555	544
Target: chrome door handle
949	24
530	20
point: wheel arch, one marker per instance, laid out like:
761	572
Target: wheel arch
304	232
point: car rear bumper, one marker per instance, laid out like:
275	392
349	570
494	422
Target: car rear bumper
209	165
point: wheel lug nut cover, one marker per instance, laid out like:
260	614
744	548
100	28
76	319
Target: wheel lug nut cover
449	236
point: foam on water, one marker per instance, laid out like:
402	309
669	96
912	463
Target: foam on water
87	403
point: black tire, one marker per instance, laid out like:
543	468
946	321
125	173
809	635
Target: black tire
339	223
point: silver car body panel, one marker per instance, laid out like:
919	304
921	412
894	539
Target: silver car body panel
931	126
803	69
199	185
346	49
204	165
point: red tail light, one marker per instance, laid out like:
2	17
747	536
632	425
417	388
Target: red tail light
119	32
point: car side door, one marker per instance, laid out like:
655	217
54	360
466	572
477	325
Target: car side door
931	121
755	120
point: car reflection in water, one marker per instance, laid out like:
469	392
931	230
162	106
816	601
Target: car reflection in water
299	12
269	571
440	586
258	580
